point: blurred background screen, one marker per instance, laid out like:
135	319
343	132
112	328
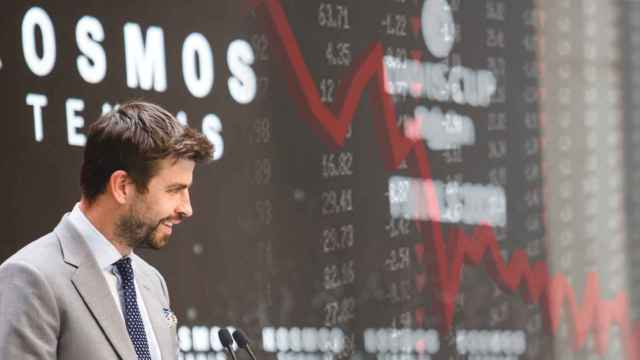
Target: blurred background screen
392	179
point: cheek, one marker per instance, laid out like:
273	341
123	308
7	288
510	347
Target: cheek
148	210
162	206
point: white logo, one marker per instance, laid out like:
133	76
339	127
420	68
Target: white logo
438	28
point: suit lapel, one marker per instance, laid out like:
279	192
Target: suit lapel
154	310
92	287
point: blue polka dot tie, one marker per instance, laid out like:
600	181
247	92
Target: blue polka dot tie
132	317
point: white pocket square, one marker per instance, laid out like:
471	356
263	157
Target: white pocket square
170	317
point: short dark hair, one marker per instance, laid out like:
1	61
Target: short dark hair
134	137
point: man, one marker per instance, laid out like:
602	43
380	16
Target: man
79	292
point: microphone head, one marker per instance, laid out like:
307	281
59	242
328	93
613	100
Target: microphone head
225	338
240	339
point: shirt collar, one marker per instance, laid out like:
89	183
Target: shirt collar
102	249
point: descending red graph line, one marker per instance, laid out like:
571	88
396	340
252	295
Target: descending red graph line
532	281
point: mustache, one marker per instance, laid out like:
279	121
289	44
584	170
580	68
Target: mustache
180	217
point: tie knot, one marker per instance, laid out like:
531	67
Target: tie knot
124	268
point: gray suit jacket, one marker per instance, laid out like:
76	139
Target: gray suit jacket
55	304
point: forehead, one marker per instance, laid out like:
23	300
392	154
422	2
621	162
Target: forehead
172	171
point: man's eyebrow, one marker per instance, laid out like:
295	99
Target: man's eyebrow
178	186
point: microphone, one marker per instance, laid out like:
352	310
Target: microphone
226	341
243	342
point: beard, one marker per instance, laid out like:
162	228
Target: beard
137	232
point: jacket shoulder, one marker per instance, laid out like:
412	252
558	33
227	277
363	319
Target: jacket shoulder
41	254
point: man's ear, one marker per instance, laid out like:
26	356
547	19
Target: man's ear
120	186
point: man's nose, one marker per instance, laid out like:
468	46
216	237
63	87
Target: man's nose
185	209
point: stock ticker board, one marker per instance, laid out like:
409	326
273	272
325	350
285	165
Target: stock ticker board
392	179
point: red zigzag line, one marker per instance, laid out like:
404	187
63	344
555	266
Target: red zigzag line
532	281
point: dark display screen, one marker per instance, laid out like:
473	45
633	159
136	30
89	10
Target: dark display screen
392	179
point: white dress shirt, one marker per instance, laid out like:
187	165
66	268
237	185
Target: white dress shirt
106	254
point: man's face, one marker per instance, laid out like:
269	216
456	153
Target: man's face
148	221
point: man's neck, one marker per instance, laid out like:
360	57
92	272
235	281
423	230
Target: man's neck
94	213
